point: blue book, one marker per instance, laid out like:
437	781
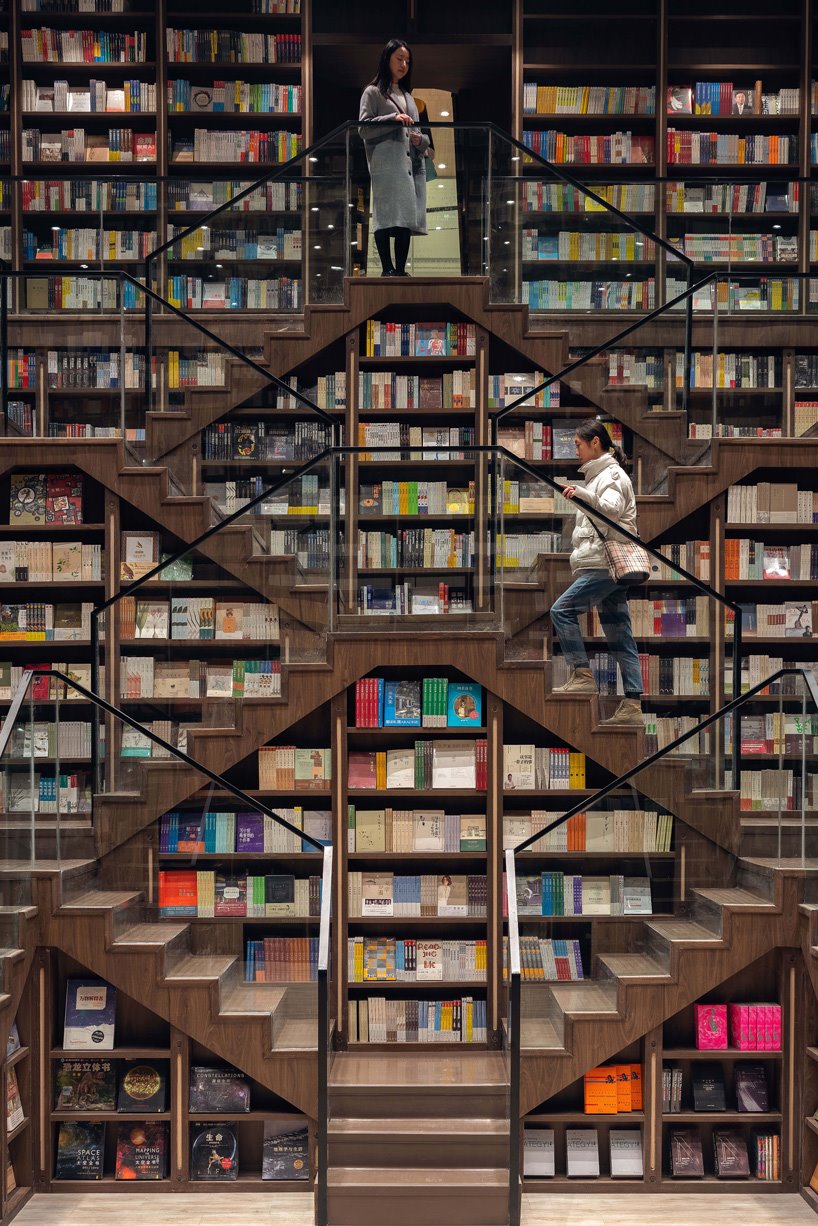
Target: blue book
90	1015
401	704
465	704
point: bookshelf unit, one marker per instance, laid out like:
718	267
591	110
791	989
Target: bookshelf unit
18	1142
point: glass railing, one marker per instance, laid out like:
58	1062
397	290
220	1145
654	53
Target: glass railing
217	630
158	387
666	849
207	854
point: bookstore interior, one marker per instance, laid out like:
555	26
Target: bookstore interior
227	951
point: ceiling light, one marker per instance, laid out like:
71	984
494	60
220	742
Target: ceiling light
444	114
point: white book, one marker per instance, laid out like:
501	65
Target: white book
376	894
538	1152
626	1153
453	764
400	769
582	1153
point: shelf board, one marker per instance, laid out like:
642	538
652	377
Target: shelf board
222	68
254	856
722	1117
116	1053
17	1056
415	1047
426	921
226	1116
76	117
274	921
723	1053
390	733
597	855
582	1117
765	528
132	68
585	919
246	118
811	1123
464	794
441	360
418	985
43	529
547	1183
368	857
147	1116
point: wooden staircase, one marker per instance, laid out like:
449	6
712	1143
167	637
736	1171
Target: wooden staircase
418	1138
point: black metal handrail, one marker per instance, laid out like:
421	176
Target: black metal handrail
728	708
324	1040
513	1043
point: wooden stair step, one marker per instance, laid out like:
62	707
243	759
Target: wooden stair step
409	1127
542	1034
596	998
204	967
672	929
735	896
411	1178
472	1069
142	936
252	998
101	900
633	966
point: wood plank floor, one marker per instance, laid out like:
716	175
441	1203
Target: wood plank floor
227	1209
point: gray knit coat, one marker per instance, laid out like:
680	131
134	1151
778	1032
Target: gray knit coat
396	166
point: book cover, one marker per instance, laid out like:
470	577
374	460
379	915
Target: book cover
85	1085
90	1013
538	1152
711	1027
731	1160
582	1153
376	894
465	707
14	1103
452	895
27	498
139	553
144	1087
218	1089
429	830
401	704
63	498
13	1043
626	1153
214	1152
80	1151
686	1160
141	1151
601	1096
752	1093
708	1087
429	960
453	764
285	1152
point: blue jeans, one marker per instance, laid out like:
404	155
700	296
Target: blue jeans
596	588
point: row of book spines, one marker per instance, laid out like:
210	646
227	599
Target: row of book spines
196	618
416	547
465	765
83	46
77	145
790	619
772	503
684	618
616	148
385	339
232	97
236	293
767	791
612	1089
378	1020
729	148
289	766
241	833
209	46
390	894
44	561
35	623
543	959
730	370
199	679
744	559
588	99
537	766
69	738
95	97
567	894
44	688
609	295
383	389
248	441
282	960
399	830
392	959
376	703
616	831
43	196
198	893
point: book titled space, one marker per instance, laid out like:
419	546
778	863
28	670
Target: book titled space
90	1015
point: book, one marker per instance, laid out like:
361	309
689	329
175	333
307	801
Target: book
139	553
752	1093
708	1087
711	1027
401	705
600	1091
376	894
141	1151
285	1152
144	1087
13	1043
686	1160
63	498
465	704
582	1153
28	498
730	1157
538	1152
15	1113
214	1152
85	1085
90	1014
626	1153
80	1151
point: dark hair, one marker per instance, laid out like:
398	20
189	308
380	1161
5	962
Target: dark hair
383	77
593	428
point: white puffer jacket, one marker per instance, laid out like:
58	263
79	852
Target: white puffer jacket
607	488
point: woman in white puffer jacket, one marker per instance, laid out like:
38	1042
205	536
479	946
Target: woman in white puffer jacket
607	488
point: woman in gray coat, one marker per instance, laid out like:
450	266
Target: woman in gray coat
395	151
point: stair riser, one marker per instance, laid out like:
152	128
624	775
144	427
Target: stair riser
760	881
707	913
73	845
418	1102
764	842
382	1150
406	1206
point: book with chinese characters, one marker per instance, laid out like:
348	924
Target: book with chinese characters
90	1014
141	1151
285	1152
214	1152
85	1085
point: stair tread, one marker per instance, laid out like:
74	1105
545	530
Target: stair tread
475	1069
260	998
100	899
200	966
683	930
585	997
539	1032
419	1126
414	1177
734	896
151	934
628	965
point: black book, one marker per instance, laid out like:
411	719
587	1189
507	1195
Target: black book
686	1159
708	1088
752	1093
285	1153
144	1087
214	1152
730	1154
218	1089
80	1151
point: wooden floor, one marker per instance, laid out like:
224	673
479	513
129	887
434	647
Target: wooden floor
226	1209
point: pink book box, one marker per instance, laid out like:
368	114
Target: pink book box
711	1027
